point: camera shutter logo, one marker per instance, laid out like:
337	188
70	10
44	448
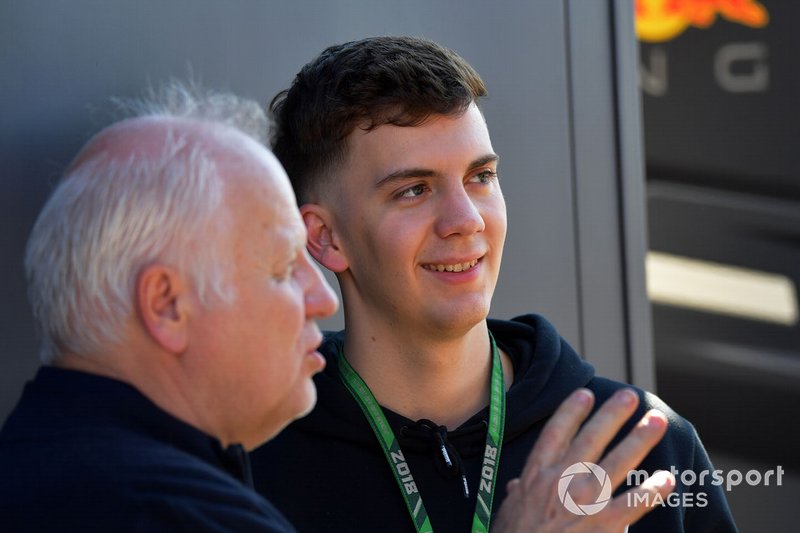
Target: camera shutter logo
589	508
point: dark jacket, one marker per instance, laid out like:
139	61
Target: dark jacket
82	452
327	472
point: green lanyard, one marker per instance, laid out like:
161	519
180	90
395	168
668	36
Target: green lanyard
394	455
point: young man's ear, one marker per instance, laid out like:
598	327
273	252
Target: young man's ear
323	241
161	296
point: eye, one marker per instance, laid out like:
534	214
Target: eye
412	192
285	274
485	176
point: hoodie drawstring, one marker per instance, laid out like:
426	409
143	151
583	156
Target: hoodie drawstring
448	460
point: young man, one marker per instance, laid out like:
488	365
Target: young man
177	304
392	163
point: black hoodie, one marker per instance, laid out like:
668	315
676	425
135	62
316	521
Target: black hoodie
327	472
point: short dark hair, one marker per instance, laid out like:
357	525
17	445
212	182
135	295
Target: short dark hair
367	83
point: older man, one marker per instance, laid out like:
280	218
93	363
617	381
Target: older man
176	301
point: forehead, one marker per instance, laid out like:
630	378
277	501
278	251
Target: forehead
438	142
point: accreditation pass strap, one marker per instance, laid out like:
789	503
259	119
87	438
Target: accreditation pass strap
394	455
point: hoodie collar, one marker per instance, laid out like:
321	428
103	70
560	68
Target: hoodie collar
546	368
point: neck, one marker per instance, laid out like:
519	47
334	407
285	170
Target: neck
155	377
444	380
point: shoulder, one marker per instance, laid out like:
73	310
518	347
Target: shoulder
200	504
681	437
154	496
529	326
690	507
124	481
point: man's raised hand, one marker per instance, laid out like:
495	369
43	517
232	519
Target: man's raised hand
533	502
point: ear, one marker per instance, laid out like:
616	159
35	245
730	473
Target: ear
323	242
161	296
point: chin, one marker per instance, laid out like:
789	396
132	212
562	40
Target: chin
461	317
307	400
310	404
294	407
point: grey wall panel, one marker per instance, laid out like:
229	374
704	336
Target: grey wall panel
528	117
632	193
596	211
608	178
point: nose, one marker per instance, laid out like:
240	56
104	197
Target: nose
458	214
320	299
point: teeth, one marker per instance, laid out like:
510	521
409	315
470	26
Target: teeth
458	267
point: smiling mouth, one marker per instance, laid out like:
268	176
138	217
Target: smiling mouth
455	267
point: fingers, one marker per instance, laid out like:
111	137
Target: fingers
510	509
556	444
602	427
630	506
533	497
635	447
558	432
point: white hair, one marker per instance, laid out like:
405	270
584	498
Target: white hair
110	217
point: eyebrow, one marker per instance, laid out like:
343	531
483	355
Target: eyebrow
406	173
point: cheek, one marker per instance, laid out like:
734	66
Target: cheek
289	321
282	361
399	237
288	312
375	243
279	314
494	214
